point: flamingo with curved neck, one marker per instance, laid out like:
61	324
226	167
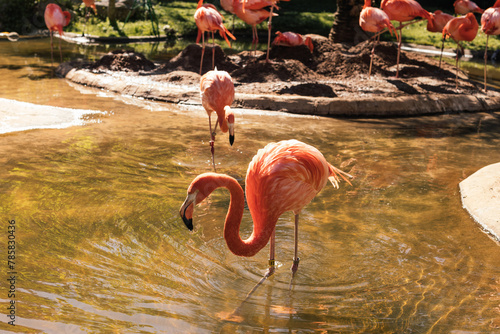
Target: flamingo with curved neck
217	95
283	176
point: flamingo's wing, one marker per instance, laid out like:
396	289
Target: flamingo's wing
284	176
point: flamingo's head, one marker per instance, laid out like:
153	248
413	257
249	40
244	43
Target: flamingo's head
67	18
202	186
230	123
308	42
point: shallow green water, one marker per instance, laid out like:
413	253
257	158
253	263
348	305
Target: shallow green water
100	247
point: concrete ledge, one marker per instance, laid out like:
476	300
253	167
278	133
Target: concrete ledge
481	198
366	106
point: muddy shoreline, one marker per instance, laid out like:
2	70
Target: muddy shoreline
331	81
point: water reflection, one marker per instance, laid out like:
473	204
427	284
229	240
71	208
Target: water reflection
102	249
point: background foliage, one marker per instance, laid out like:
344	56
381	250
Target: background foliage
304	16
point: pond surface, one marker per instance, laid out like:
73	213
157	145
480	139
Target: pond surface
100	247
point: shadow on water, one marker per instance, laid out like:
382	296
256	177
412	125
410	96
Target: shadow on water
101	247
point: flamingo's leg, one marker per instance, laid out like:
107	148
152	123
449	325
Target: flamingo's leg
269	34
456	67
60	52
372	54
441	54
51	49
399	49
202	50
486	62
296	258
213	53
212	139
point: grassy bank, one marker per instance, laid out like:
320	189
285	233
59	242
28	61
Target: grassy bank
179	15
298	16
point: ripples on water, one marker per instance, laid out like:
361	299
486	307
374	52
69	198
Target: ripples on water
101	247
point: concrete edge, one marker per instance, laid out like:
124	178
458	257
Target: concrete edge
480	194
378	106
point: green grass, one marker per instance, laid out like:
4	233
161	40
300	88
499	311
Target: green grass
293	16
417	33
179	15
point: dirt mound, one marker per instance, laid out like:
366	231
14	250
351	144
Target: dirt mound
123	60
331	70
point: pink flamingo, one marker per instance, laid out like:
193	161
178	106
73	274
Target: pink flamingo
55	20
88	4
252	17
437	23
403	11
462	28
260	4
463	7
490	25
283	176
91	4
375	20
292	39
207	18
217	94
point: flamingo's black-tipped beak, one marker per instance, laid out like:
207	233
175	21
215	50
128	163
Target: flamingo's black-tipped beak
188	222
186	211
230	125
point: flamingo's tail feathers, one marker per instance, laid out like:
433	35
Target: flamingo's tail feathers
200	3
229	34
199	36
223	34
336	174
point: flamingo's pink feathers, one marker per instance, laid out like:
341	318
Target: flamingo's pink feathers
403	10
55	18
217	92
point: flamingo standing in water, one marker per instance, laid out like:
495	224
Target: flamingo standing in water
463	7
292	39
403	11
283	176
462	28
436	24
207	18
490	25
217	94
55	20
252	17
373	19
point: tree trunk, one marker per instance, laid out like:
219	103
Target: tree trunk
346	27
112	13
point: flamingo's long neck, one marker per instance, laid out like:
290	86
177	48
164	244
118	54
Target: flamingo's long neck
259	237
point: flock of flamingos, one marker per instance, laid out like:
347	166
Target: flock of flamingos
287	175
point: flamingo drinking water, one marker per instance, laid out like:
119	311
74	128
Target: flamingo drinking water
217	94
283	176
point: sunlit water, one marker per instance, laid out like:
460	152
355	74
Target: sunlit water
101	247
